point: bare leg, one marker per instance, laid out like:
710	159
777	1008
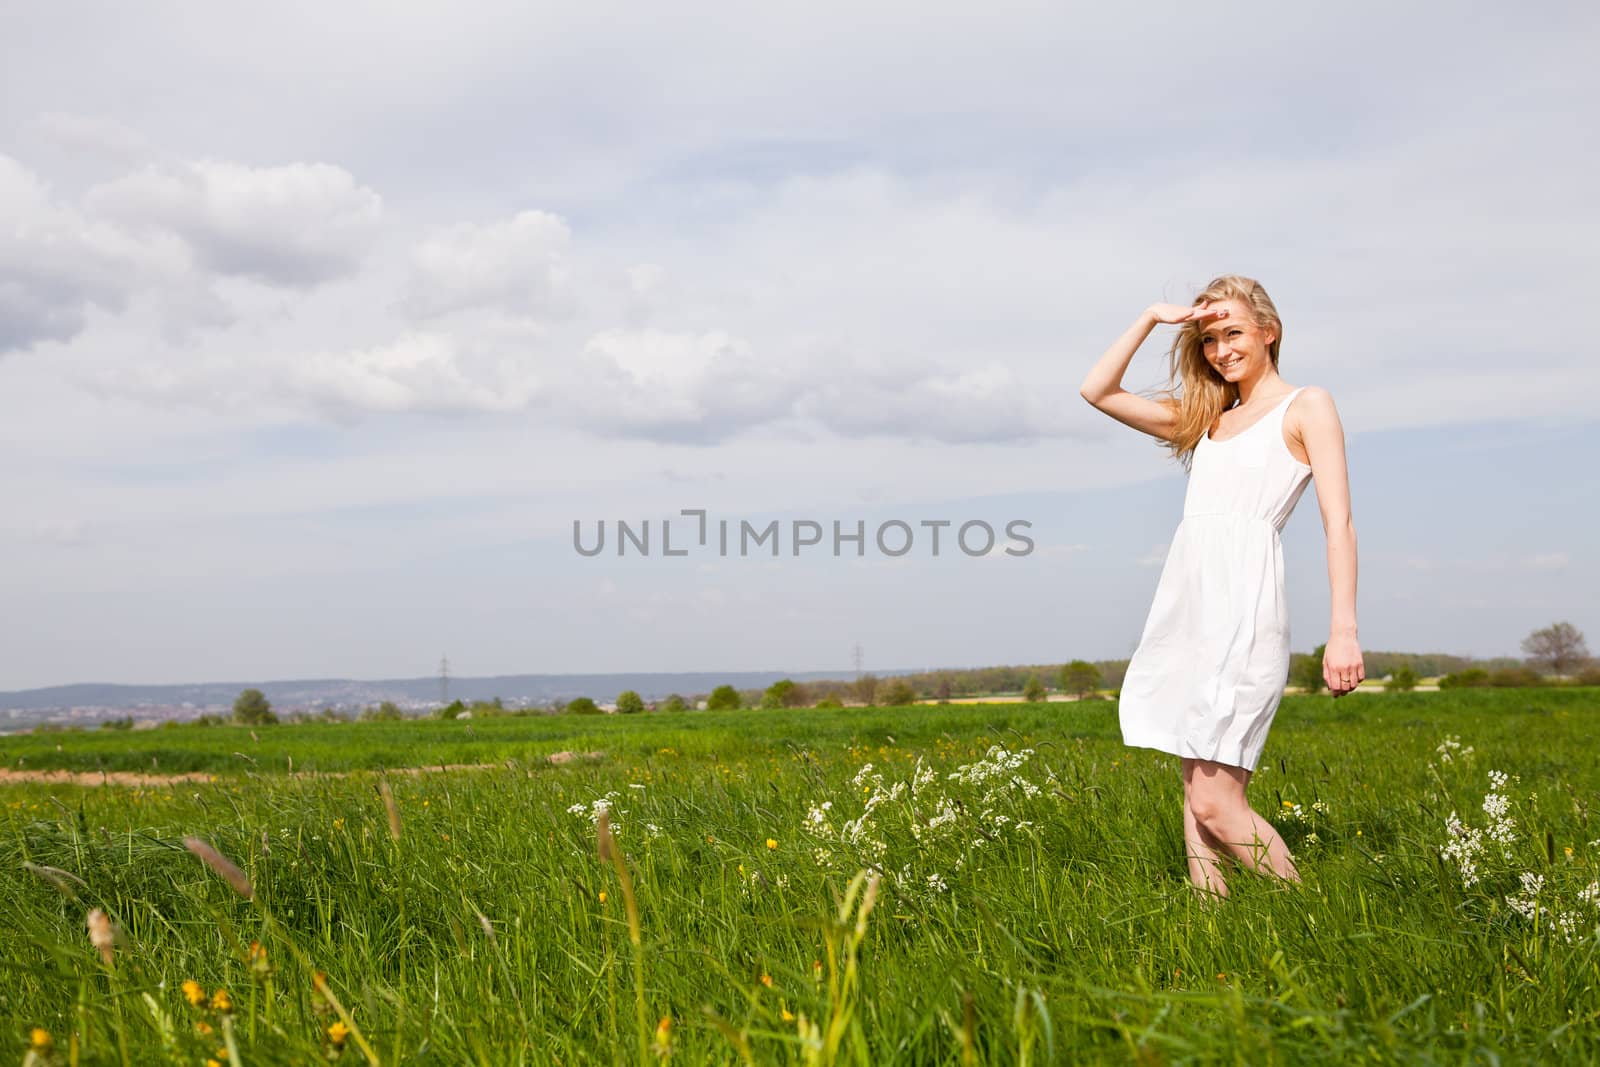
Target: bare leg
1205	861
1215	794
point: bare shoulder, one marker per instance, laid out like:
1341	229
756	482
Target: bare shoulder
1313	407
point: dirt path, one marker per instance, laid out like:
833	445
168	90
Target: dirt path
130	779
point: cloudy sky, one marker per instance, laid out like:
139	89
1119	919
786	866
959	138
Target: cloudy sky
320	326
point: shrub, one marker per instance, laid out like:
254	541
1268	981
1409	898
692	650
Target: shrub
829	704
1401	680
674	703
251	708
723	698
899	693
1515	677
1471	678
584	706
629	703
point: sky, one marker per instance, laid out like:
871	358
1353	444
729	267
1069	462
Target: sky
320	327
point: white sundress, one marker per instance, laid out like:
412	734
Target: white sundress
1212	661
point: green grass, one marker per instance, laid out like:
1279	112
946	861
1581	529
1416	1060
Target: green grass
1064	933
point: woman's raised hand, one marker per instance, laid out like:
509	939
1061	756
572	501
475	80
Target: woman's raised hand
1179	313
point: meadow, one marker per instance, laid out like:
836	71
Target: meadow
953	884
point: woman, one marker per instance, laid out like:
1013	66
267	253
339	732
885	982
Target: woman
1209	671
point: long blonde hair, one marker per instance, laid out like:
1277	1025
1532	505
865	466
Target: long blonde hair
1205	394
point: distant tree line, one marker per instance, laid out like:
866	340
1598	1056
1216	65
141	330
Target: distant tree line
1555	655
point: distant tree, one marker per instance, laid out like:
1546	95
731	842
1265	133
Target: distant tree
629	702
723	698
387	711
1080	678
209	720
785	693
250	708
1557	648
450	710
487	709
943	689
1470	678
674	702
1034	691
867	689
123	723
1401	680
899	694
829	704
1589	674
1307	670
583	706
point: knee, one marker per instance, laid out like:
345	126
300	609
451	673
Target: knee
1211	813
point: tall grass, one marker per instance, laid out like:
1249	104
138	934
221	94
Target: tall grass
1004	884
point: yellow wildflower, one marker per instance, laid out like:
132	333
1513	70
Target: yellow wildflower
664	1031
338	1031
602	896
40	1038
213	1063
194	994
788	1016
772	842
766	980
221	1001
202	1027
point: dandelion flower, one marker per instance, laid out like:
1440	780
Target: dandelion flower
766	980
194	993
772	842
39	1038
213	1063
788	1016
338	1031
221	1001
602	896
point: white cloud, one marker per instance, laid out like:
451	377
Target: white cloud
294	225
517	266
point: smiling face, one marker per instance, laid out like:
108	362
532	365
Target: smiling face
1234	346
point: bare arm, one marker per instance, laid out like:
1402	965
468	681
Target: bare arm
1323	436
1103	385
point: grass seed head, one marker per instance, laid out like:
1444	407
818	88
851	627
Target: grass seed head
101	936
220	864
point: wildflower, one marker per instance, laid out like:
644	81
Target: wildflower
39	1038
213	1063
193	992
259	965
202	1027
664	1030
221	1001
788	1016
337	1033
772	842
602	896
338	824
766	980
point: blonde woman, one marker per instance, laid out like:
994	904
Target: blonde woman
1213	658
